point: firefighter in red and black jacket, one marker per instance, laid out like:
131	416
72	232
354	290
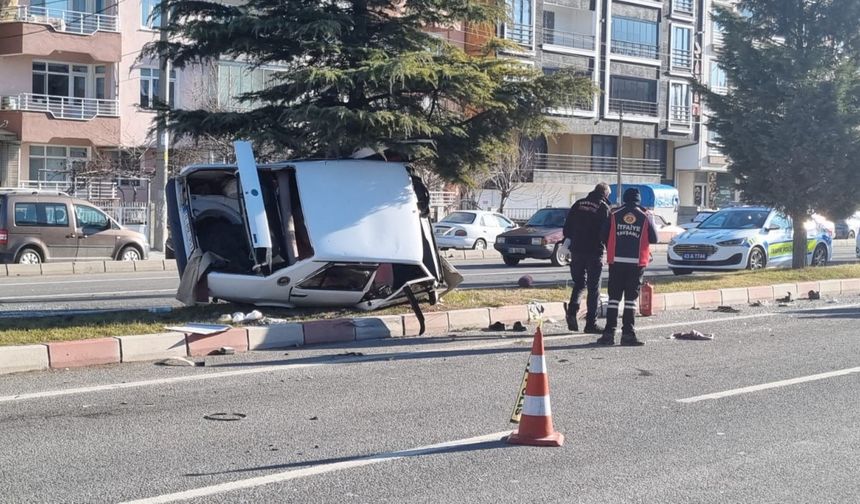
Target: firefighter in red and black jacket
629	233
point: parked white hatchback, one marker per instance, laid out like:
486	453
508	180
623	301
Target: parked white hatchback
470	229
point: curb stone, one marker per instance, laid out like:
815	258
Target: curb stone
80	353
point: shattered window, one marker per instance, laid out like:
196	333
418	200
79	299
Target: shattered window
344	277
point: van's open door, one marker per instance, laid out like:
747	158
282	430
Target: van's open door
254	207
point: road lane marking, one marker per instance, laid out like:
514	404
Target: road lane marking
87	295
768	386
48	283
315	470
351	360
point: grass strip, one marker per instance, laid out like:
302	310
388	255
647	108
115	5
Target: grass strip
23	330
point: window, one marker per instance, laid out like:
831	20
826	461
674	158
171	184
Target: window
149	78
714	144
520	30
459	218
680	104
683	7
149	17
716	32
634	37
603	146
503	222
682	56
41	214
344	277
656	149
91	218
236	79
51	163
719	81
780	221
633	95
60	79
100	71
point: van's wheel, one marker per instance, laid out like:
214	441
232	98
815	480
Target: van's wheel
29	255
510	261
819	257
480	244
757	259
559	256
851	234
129	253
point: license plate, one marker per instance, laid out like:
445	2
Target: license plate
517	250
694	257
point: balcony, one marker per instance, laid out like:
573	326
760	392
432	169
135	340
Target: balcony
522	34
86	188
79	23
598	164
61	107
633	107
567	39
680	117
682	60
41	31
636	50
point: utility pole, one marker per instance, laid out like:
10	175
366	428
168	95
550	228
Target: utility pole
620	152
159	200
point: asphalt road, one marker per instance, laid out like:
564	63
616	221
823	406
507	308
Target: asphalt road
25	296
764	413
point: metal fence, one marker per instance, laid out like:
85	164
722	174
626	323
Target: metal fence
62	107
62	20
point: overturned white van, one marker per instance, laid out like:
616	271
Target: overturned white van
335	233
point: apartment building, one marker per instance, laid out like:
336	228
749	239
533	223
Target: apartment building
76	101
702	175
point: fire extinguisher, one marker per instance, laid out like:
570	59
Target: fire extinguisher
645	300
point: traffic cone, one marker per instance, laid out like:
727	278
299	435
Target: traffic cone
536	422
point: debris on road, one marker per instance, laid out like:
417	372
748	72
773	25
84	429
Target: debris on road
693	336
525	281
497	326
814	295
758	304
226	417
786	299
727	309
224	350
176	361
519	327
351	354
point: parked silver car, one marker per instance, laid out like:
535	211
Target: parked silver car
470	229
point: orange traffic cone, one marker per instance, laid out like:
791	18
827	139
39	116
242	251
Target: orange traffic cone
536	422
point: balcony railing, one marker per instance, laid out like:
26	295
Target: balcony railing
648	51
680	116
86	188
598	164
81	23
682	60
720	88
683	6
61	107
568	39
633	107
520	33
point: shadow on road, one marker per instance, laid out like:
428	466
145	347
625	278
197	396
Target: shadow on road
832	313
478	446
352	353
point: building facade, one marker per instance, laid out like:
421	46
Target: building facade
76	97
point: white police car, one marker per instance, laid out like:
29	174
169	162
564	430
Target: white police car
744	238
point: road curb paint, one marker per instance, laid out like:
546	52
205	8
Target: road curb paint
473	318
320	332
145	347
707	299
82	353
205	344
16	359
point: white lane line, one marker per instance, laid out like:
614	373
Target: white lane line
317	469
353	360
105	280
86	295
768	386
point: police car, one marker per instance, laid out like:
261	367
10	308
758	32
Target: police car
744	238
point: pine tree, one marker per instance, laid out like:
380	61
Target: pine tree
789	123
364	73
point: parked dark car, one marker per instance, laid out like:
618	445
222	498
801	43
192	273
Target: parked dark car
539	238
40	226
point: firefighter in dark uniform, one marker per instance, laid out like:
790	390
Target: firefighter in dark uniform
629	233
582	233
